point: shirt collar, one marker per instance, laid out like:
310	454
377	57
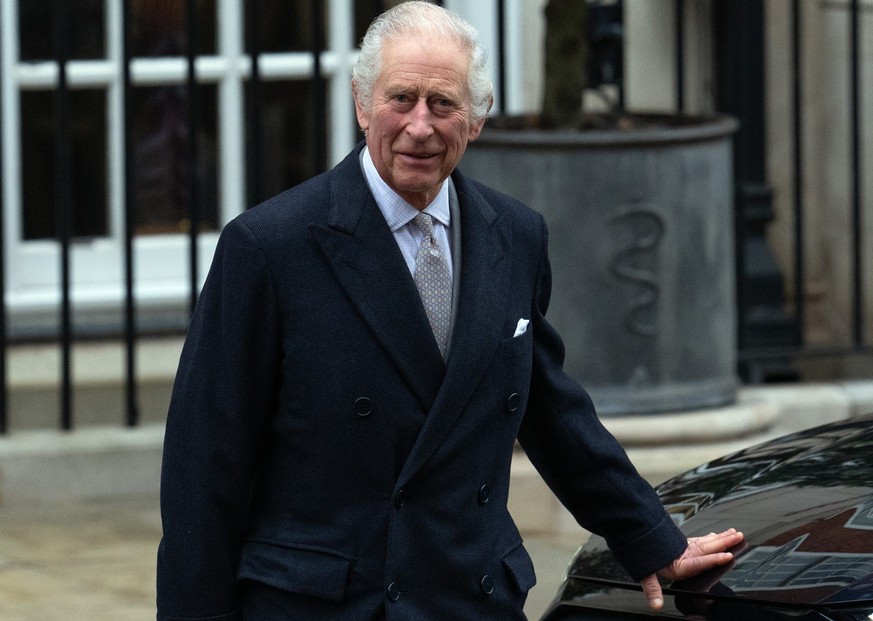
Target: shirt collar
398	212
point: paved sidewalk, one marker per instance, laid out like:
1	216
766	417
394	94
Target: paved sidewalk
95	560
74	561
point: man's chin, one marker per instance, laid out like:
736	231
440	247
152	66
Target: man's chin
419	194
417	181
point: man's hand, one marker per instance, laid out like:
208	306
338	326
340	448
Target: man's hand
702	553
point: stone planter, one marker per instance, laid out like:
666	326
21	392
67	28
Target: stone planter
641	244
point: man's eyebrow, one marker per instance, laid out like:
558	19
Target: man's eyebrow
398	88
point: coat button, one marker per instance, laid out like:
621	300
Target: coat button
400	498
393	592
363	406
512	402
484	494
487	584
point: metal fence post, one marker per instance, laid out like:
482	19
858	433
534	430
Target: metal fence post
193	89
131	388
64	199
762	322
3	327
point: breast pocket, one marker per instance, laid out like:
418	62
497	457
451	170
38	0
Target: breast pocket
517	346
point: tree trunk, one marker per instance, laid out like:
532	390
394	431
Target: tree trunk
566	62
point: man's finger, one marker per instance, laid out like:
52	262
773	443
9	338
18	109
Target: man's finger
652	591
692	566
714	542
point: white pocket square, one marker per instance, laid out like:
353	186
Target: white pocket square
521	328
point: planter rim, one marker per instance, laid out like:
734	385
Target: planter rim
712	128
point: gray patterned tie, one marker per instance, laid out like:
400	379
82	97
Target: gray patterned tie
433	282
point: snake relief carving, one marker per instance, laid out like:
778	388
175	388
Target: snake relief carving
641	228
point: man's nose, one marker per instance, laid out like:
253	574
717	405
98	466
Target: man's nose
420	124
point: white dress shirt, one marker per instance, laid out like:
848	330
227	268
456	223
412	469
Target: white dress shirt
399	214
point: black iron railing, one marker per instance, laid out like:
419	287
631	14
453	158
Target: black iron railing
130	332
762	348
763	352
856	198
64	204
4	376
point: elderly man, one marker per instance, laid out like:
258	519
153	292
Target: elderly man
367	348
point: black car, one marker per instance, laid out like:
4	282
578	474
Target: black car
805	504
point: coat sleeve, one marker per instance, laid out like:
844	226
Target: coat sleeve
582	462
224	393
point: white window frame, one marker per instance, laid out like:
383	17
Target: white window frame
161	263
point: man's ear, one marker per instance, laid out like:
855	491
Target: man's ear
476	128
361	113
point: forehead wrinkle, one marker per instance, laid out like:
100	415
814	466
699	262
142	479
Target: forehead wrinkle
440	66
428	87
422	82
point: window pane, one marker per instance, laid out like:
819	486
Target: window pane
159	27
287	137
85	29
286	25
163	161
366	11
87	170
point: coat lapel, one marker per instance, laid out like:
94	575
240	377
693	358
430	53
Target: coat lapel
364	256
485	277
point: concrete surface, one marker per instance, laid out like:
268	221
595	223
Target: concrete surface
79	560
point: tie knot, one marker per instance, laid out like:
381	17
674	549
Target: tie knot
424	222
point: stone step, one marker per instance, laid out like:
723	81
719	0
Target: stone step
98	374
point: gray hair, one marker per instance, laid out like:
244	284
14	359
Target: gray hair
416	18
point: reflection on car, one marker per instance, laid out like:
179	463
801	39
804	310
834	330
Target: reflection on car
805	504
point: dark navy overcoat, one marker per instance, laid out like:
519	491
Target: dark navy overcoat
322	461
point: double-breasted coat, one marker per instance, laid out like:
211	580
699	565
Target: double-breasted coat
323	461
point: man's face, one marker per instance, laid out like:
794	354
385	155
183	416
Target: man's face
419	124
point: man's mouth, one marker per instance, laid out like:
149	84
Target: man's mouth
419	156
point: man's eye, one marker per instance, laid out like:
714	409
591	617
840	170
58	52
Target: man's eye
443	103
400	98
